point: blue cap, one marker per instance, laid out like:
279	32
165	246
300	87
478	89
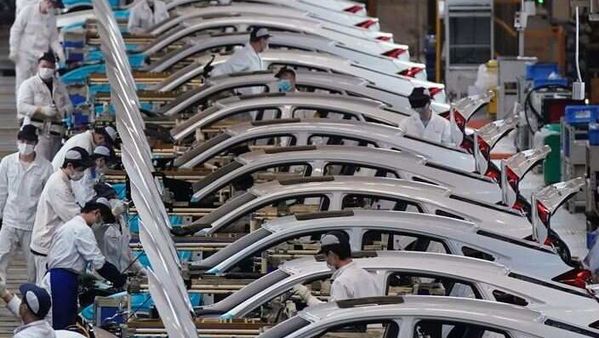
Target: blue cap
37	299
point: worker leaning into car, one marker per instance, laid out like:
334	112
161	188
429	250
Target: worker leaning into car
145	14
348	281
73	248
425	123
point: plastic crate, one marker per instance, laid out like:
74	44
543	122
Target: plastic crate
581	115
539	74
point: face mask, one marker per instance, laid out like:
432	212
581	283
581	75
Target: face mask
284	86
25	148
77	176
46	73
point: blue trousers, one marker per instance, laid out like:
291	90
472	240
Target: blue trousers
65	288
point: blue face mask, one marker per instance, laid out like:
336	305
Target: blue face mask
284	86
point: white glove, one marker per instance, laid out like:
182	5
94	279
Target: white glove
118	207
49	110
13	56
302	292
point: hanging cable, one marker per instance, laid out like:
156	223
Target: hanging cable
578	46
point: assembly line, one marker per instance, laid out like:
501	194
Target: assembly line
272	169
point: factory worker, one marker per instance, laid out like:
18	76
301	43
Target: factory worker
84	188
22	178
13	304
73	248
246	59
113	234
56	206
348	281
33	33
425	123
88	140
145	14
20	4
43	101
32	310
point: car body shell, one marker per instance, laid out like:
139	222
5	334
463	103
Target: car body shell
563	301
287	104
431	199
332	19
345	85
344	34
303	131
456	235
262	159
516	321
402	85
203	45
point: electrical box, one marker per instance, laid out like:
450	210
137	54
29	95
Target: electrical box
512	70
468	43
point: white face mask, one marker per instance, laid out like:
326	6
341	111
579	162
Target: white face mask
46	73
77	176
25	148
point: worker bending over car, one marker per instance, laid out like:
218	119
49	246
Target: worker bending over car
145	14
348	281
425	123
73	248
57	205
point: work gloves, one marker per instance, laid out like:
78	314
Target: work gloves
118	207
112	274
305	295
49	111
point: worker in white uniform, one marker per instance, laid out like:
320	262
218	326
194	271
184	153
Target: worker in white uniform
113	235
22	178
33	33
73	248
43	101
246	59
425	123
57	205
20	4
32	310
145	14
348	281
14	303
87	140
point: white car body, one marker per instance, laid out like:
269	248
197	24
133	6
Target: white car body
331	19
205	44
438	234
421	197
405	314
402	85
318	82
343	34
316	161
487	280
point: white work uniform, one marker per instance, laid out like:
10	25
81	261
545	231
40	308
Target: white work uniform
84	140
20	4
31	35
74	246
243	60
37	329
436	130
34	93
113	240
351	281
141	17
56	206
20	188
